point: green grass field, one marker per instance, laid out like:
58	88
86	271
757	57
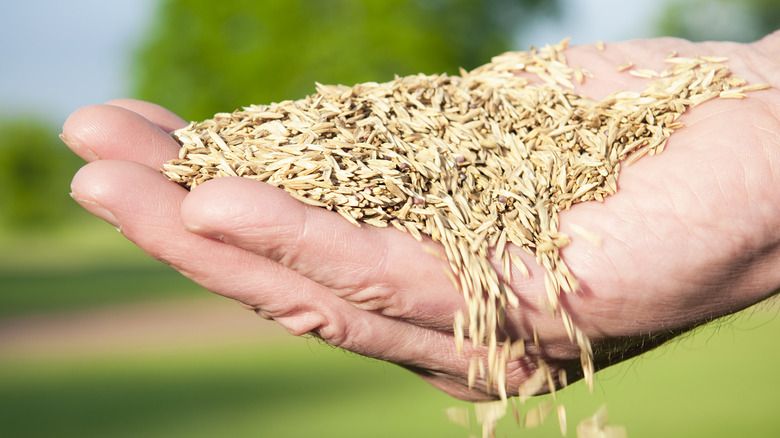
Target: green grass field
717	382
713	385
83	267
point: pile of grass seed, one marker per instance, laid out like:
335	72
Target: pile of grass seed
474	161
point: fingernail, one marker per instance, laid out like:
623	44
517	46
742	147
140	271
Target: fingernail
98	210
80	150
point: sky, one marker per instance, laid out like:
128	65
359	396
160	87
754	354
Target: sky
588	21
60	55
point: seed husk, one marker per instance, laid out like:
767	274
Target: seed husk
474	161
597	426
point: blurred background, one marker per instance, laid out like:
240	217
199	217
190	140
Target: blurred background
96	339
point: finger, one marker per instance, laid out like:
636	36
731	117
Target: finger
373	268
163	118
428	352
144	206
111	132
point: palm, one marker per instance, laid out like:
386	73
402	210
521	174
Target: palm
684	229
681	236
680	239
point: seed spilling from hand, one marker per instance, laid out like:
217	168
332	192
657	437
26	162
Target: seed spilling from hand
474	161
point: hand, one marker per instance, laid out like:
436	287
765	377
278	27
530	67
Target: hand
691	235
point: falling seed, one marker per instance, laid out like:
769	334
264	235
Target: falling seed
562	419
589	236
444	155
536	415
458	415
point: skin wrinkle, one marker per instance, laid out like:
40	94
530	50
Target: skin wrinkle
375	283
618	277
749	269
338	331
691	223
702	260
309	314
652	229
253	288
735	240
754	61
250	265
719	175
455	385
166	249
609	262
382	291
171	249
377	292
406	338
155	137
391	284
372	292
732	273
248	231
517	371
746	183
429	337
299	226
442	361
163	118
773	172
274	233
770	217
299	322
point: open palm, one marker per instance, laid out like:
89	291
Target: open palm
691	235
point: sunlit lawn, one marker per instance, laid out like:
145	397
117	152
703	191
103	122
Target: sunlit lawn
263	389
86	266
717	383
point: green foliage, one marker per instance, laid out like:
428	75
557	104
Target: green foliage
36	173
201	57
721	20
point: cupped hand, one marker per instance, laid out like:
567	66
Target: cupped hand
691	235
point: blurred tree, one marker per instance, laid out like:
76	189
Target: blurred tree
202	57
37	170
721	20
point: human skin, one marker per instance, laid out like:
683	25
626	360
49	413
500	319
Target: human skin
691	235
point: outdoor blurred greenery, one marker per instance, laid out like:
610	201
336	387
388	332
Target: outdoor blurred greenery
720	20
200	59
717	383
204	57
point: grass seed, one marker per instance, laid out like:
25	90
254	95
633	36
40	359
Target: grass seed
474	161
